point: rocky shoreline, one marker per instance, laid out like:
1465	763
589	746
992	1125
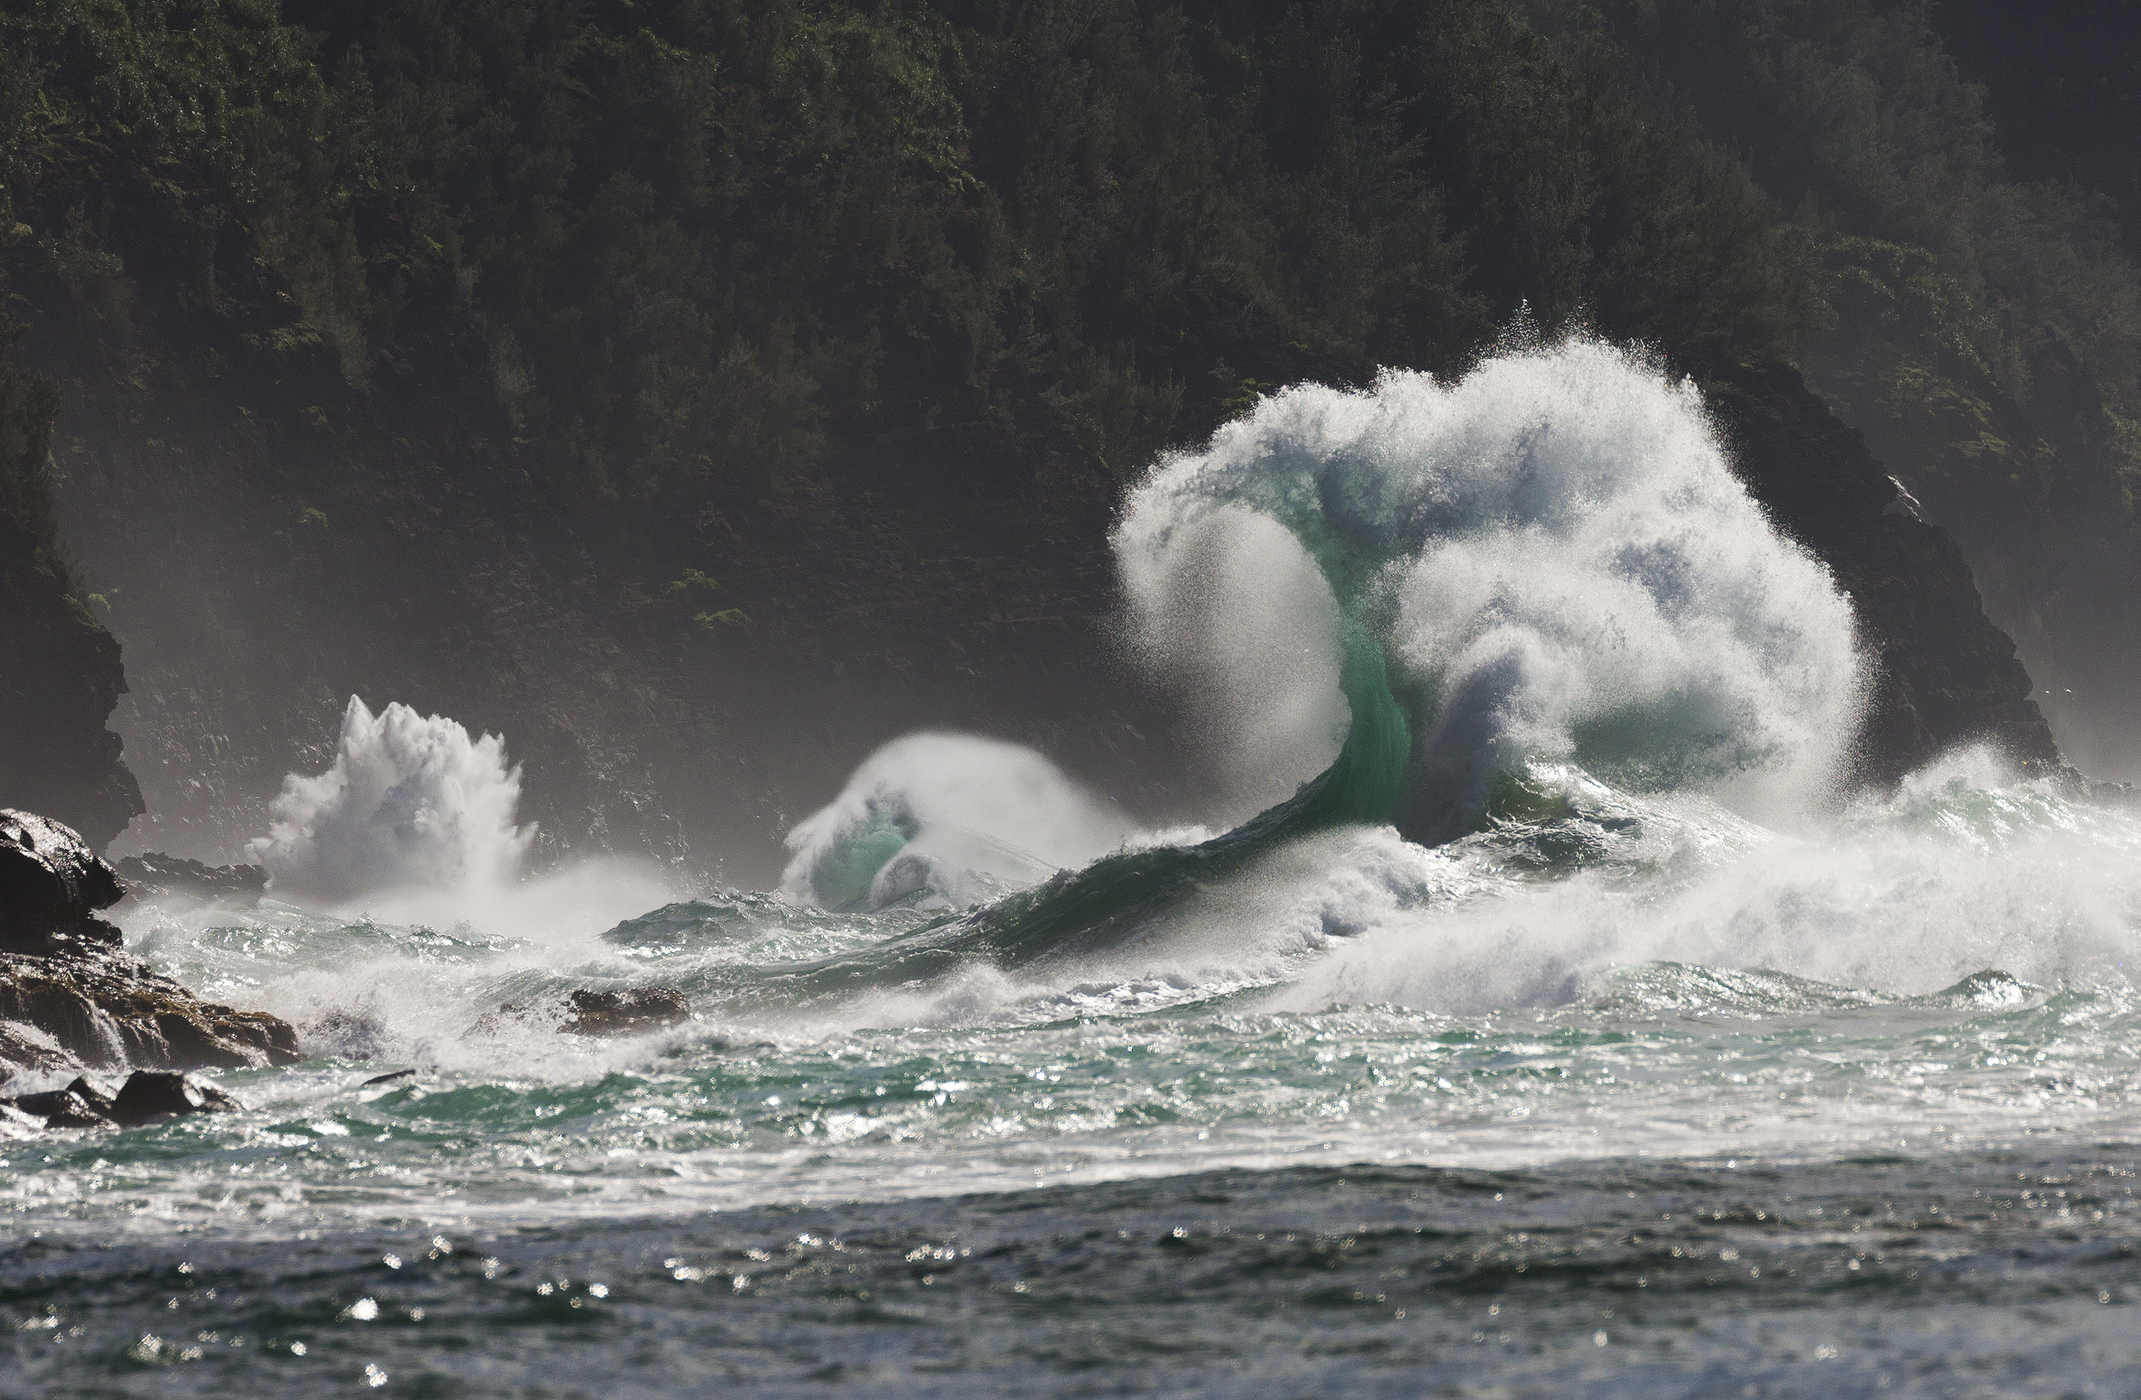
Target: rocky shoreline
70	999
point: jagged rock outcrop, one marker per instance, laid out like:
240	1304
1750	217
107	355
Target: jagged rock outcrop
1947	675
70	998
51	885
61	675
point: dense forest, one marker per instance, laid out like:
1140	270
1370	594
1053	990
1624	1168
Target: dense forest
611	302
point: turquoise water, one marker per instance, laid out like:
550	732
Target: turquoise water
1186	1162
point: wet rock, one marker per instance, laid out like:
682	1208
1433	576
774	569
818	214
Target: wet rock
69	1107
70	999
14	1123
51	885
175	880
151	1094
625	1011
396	1077
1944	674
111	1012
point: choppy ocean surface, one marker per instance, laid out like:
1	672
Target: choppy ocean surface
1567	1033
1143	1170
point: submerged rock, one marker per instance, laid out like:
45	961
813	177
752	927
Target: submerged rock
626	1011
86	1103
584	1011
146	1095
174	878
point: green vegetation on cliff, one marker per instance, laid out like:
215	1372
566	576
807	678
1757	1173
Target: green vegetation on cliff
692	248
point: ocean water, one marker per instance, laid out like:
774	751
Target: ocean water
1546	1022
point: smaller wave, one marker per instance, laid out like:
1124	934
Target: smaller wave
941	820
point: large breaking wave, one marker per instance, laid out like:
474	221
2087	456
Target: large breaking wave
1548	561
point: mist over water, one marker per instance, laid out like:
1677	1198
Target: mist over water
1551	876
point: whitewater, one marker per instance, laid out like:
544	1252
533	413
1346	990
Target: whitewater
1540	1010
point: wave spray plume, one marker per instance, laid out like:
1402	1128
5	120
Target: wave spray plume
412	804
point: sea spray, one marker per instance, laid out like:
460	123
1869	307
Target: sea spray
1551	560
1235	618
1547	562
411	804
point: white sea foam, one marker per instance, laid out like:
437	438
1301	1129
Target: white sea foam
412	803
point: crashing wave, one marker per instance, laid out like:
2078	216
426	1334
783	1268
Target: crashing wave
411	804
1548	559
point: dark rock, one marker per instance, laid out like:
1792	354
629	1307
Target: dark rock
397	1075
48	875
175	879
82	938
15	1123
1947	675
108	1012
94	1092
154	1093
625	1011
64	1108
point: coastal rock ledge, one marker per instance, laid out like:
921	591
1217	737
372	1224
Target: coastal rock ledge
71	1000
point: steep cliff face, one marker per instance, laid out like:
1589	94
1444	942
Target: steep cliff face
2037	499
1947	676
59	668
